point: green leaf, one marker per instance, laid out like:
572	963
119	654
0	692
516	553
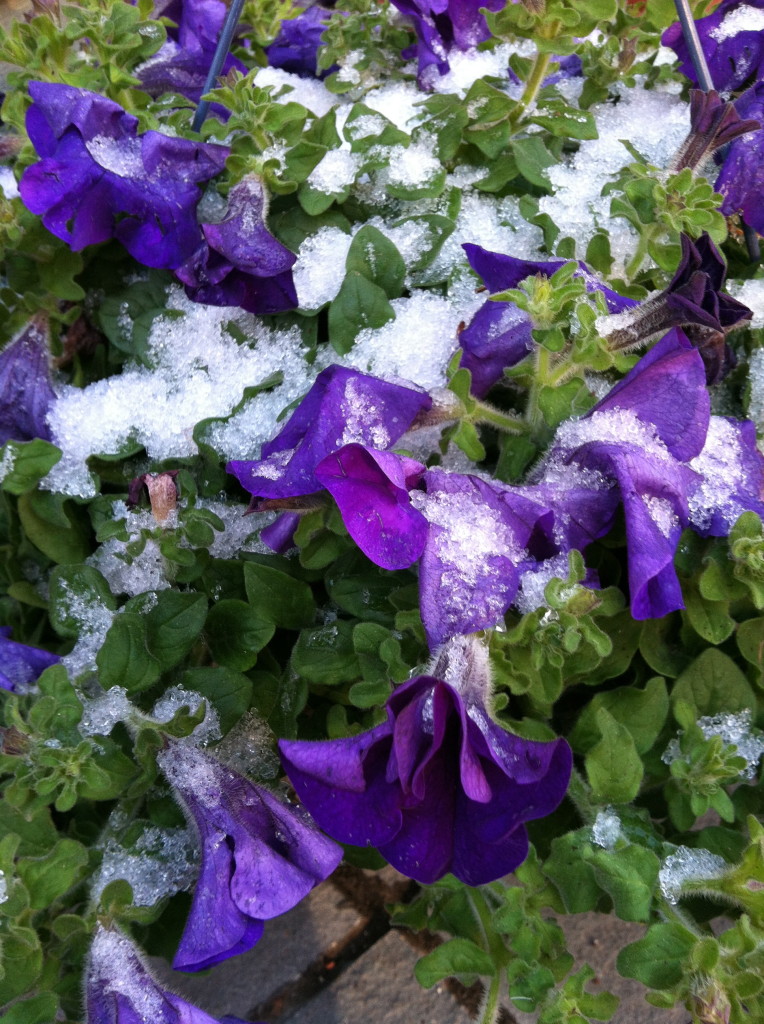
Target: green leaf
628	875
713	684
277	597
613	766
235	633
710	619
21	962
326	655
562	401
375	257
41	1009
174	625
46	878
125	658
24	463
35	829
657	959
565	122
228	692
455	957
750	642
56	526
568	867
533	159
359	304
89	590
642	712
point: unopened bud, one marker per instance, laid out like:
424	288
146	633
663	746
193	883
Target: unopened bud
711	1005
163	493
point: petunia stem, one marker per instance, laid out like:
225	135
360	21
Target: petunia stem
221	52
536	77
491	1006
502	421
632	267
580	795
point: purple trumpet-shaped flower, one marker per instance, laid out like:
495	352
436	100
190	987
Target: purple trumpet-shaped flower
119	988
260	857
731	470
732	41
741	178
499	335
439	787
26	393
371	489
342	407
20	665
441	26
98	179
694	301
714	123
182	63
295	48
239	262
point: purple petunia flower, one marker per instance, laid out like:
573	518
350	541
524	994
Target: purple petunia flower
239	262
98	179
26	393
741	179
732	42
260	857
342	407
731	469
20	665
499	335
182	63
443	25
295	48
714	123
439	787
119	989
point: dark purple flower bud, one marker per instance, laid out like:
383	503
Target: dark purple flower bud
499	335
99	179
439	787
694	301
182	63
443	25
714	123
731	470
295	48
342	407
371	489
260	856
476	545
119	989
26	393
741	179
240	263
732	42
20	665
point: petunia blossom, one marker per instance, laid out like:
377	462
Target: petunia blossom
342	407
99	179
499	334
731	471
259	856
21	665
120	989
26	393
439	787
741	177
295	48
732	41
239	262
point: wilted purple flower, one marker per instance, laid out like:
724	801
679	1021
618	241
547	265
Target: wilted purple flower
741	179
714	123
443	25
99	179
21	665
732	42
182	63
239	262
371	489
731	470
260	857
694	301
439	787
119	989
499	334
295	48
26	393
342	407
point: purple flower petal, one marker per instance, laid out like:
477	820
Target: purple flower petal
20	665
342	407
26	394
732	42
741	179
731	470
295	48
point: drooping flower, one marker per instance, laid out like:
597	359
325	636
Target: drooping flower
499	334
741	178
26	393
239	262
20	665
694	301
342	407
714	123
732	42
259	856
443	25
439	787
182	63
98	179
295	48
119	988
